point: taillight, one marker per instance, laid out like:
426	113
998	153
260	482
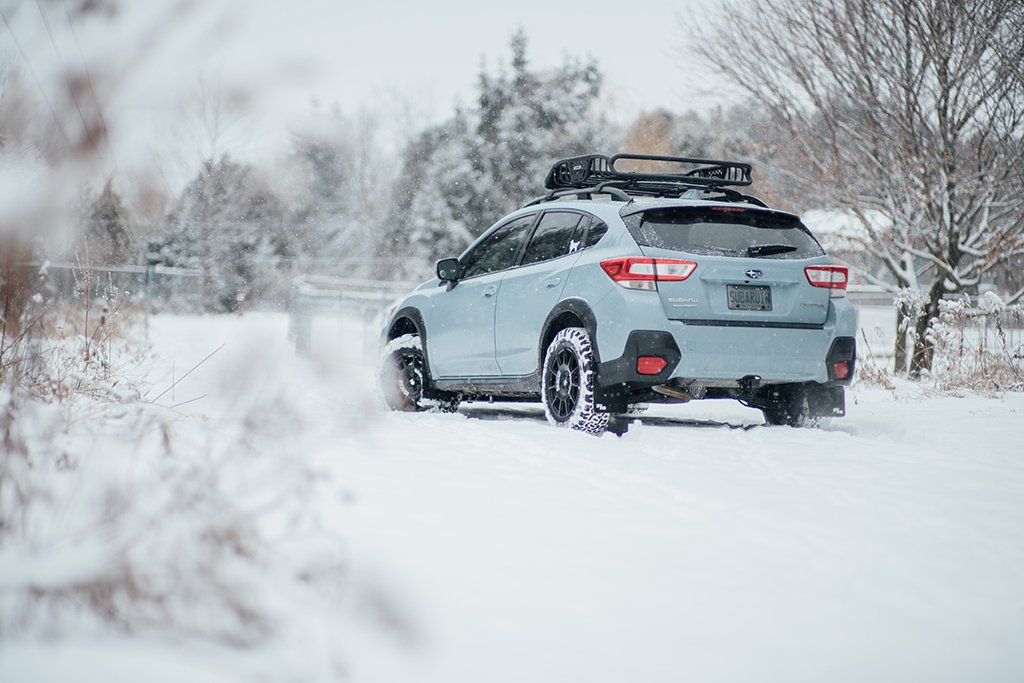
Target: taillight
833	278
645	273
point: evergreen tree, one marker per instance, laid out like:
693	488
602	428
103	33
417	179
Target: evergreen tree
227	226
459	177
105	236
342	189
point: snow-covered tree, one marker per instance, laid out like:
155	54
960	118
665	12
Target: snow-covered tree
909	108
226	224
342	185
106	237
742	132
457	178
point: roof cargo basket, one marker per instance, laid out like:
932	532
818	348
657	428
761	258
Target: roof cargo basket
590	174
591	169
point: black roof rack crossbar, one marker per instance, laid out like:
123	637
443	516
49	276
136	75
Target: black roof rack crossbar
592	169
616	194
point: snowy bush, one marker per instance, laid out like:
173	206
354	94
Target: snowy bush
979	347
132	527
120	514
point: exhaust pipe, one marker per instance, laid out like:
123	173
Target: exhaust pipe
666	390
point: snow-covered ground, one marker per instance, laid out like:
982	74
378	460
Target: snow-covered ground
699	546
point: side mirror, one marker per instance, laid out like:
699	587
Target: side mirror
448	269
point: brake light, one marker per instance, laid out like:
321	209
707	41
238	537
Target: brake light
645	273
833	278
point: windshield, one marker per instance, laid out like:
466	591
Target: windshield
724	231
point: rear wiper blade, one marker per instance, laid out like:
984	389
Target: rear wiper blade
769	249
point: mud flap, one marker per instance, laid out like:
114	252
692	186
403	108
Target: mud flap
799	401
823	400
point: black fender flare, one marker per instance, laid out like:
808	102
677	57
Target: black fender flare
576	307
412	314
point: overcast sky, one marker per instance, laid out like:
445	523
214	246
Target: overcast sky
422	57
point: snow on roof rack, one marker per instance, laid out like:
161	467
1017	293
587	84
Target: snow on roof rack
590	174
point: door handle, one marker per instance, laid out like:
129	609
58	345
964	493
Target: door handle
490	290
553	282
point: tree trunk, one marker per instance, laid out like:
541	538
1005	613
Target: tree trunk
18	282
899	352
921	361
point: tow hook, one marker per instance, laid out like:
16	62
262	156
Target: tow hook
750	383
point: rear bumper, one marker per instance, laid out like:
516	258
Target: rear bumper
727	356
724	355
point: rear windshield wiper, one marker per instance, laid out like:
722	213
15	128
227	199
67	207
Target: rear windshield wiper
769	249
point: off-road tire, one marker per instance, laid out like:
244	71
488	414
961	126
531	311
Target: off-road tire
403	378
567	383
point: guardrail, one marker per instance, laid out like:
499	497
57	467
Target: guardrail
313	295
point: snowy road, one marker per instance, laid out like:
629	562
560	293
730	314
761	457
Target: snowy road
699	546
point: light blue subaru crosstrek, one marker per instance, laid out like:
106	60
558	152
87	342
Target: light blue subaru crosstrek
626	285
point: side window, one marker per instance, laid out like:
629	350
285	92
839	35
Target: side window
597	230
552	237
498	251
576	241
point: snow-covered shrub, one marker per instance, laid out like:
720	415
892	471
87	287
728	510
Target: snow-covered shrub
68	347
978	347
147	528
873	374
120	514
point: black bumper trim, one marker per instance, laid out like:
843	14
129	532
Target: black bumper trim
843	348
622	370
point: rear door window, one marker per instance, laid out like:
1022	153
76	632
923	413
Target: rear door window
724	231
597	230
552	237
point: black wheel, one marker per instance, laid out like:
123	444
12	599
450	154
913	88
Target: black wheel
567	385
401	374
403	378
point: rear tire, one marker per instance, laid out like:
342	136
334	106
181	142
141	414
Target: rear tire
567	384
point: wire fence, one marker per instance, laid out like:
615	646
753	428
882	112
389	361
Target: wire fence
163	287
318	295
978	345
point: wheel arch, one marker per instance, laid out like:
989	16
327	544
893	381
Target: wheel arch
568	313
409	320
406	321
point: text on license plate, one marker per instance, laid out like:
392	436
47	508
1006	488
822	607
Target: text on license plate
749	298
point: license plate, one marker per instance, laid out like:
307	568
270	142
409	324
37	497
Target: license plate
749	298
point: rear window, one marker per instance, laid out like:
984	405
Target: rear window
724	232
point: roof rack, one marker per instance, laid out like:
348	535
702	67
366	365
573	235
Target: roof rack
590	174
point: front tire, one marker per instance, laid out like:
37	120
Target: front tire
403	379
568	380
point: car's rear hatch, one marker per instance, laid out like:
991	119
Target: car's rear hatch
750	265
